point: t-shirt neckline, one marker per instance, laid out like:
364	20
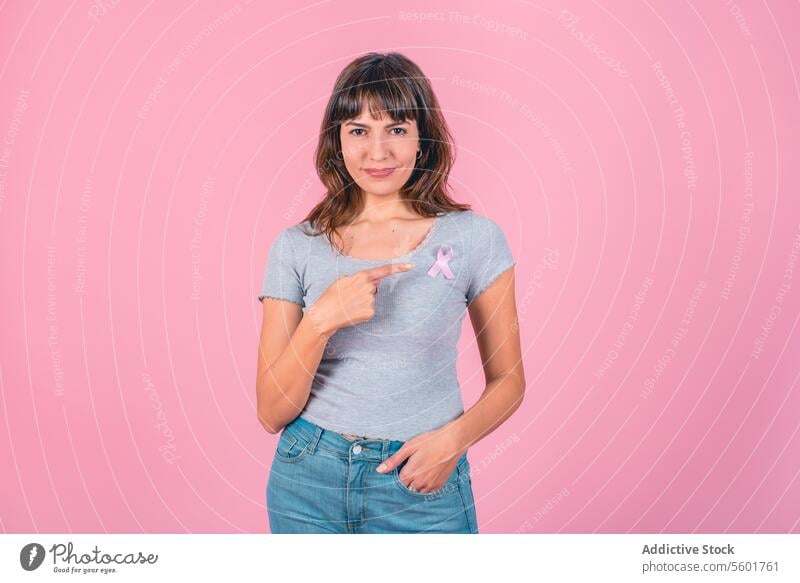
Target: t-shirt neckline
422	244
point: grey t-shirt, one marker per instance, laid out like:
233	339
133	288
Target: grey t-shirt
394	376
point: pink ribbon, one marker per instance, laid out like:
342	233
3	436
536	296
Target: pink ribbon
443	256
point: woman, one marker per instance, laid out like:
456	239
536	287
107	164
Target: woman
362	309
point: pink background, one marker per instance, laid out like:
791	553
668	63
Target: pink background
642	159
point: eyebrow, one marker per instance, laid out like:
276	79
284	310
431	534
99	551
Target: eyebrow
363	125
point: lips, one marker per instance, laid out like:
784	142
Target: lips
379	172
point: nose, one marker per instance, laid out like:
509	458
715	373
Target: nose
376	148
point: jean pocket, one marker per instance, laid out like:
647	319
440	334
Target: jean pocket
292	447
449	487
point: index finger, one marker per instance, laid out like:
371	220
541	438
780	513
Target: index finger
376	273
394	460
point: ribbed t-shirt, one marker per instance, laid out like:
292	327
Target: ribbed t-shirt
393	376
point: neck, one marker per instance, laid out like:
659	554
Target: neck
382	208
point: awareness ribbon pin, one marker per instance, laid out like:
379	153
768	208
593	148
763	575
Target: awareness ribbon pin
443	256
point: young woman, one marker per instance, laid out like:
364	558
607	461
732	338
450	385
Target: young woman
363	304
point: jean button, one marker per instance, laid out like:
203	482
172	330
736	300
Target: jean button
356	449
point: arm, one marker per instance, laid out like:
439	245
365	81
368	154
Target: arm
292	344
290	350
494	318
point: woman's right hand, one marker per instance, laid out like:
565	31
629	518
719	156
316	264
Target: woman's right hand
351	298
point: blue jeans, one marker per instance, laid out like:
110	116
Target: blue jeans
321	482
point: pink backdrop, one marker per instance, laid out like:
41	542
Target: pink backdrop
642	159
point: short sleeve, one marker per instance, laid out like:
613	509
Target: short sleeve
490	256
282	280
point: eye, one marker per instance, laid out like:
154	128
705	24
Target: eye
401	129
356	130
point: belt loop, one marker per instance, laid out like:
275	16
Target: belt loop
312	447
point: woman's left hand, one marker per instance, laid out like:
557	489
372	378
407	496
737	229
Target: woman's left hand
432	457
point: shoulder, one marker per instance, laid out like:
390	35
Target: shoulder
470	218
473	227
462	221
294	234
290	242
482	229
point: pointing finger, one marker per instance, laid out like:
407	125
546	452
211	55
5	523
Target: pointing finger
376	273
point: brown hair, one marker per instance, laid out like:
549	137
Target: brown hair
392	83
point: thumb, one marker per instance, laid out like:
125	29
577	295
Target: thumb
394	460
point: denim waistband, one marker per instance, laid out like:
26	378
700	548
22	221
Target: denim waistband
336	443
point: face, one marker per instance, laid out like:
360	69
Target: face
380	154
